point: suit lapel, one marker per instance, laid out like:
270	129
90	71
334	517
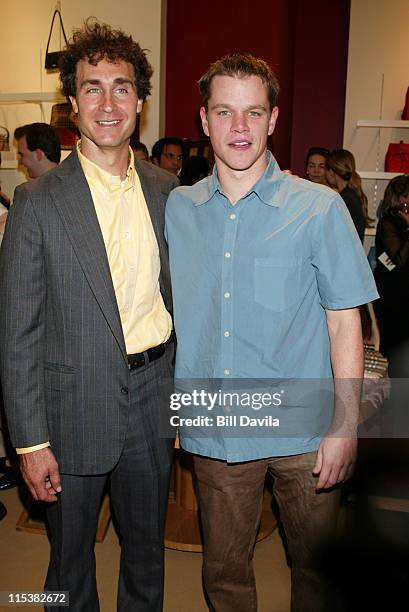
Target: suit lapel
155	200
73	201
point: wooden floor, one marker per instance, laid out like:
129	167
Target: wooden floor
370	558
24	558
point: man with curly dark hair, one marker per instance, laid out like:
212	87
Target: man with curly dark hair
86	331
96	42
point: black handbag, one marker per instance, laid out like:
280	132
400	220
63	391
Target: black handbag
52	58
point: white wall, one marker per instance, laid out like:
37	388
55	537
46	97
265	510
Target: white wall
378	51
25	26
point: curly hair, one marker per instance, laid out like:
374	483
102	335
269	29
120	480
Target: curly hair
239	65
97	41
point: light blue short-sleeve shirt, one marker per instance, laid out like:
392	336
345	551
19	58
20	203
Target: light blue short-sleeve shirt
251	283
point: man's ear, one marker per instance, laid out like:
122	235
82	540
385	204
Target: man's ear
273	120
139	106
74	104
205	123
39	153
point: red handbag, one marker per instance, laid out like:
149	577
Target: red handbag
405	112
397	158
63	120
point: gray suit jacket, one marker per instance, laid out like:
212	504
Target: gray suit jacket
62	351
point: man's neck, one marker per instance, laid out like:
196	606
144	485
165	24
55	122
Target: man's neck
112	160
46	166
236	183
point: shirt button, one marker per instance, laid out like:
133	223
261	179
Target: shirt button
124	390
227	254
227	295
226	334
226	371
232	216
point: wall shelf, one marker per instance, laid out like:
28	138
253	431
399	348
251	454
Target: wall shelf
382	123
9	164
378	176
33	97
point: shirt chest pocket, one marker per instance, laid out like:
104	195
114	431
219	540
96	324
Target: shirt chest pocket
276	283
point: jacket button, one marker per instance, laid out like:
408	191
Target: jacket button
124	390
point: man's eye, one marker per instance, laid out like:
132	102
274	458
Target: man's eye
121	90
93	90
254	114
224	113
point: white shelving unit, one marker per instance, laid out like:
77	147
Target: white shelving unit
378	175
379	124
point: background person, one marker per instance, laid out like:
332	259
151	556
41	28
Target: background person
140	150
392	275
341	174
38	148
169	153
315	169
11	474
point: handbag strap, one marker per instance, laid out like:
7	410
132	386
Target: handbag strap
51	29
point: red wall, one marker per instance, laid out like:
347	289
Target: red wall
320	71
283	32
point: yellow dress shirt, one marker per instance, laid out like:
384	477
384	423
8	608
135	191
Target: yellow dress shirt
133	257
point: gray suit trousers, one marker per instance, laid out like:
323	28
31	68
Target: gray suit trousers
139	492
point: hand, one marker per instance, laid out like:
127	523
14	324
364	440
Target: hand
335	461
405	215
40	472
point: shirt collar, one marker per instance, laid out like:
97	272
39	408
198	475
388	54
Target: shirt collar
266	188
103	178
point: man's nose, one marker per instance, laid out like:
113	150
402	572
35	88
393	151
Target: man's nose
239	123
107	102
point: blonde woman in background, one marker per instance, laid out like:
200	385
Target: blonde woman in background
342	175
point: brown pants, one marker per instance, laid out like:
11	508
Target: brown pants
230	500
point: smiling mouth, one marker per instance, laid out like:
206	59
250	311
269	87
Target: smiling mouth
110	123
